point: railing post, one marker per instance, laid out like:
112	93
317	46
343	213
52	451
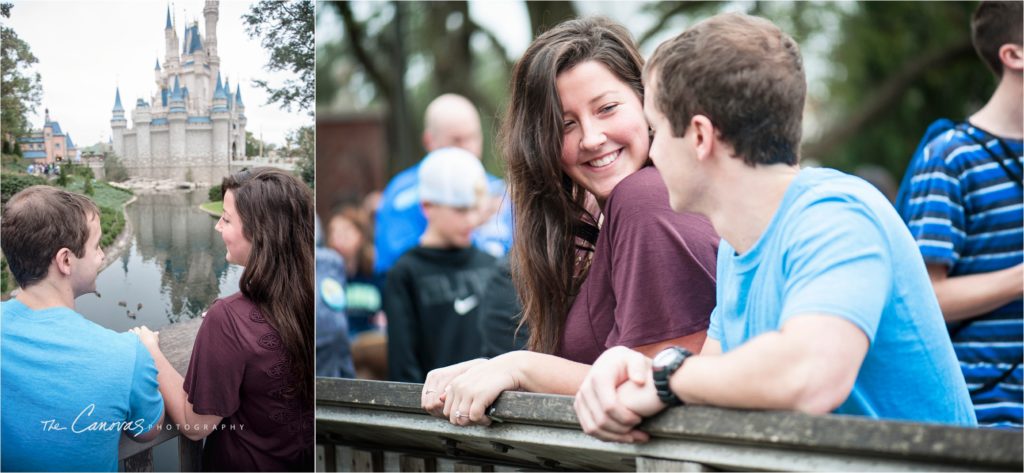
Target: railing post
416	463
367	460
190	454
142	461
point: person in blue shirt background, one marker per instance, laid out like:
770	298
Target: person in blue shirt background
450	121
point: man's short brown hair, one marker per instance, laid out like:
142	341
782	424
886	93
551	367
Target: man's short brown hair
745	75
37	222
995	24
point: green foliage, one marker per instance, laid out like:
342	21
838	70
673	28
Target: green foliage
113	169
62	178
214	194
286	30
13	183
305	141
88	189
80	170
20	89
878	41
111	222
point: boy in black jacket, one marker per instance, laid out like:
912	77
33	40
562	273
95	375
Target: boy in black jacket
434	291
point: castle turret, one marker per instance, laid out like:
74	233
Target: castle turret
221	124
241	121
210	14
141	119
118	124
176	117
171	60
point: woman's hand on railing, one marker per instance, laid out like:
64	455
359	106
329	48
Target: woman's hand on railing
149	338
615	396
469	395
433	396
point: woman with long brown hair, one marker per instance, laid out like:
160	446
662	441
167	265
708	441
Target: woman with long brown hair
599	258
249	386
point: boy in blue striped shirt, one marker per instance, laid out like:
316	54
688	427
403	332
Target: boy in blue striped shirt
965	211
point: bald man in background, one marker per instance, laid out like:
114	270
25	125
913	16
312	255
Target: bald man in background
450	121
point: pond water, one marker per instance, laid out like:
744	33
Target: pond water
171	271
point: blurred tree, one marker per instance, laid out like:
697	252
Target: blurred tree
881	71
305	145
20	89
286	30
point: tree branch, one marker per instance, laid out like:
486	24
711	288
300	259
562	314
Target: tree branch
879	102
355	33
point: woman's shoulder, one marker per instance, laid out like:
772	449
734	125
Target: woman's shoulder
642	190
228	310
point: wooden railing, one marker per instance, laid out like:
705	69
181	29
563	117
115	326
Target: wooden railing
379	426
176	342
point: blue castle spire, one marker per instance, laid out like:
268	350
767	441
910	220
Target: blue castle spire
117	101
219	92
168	18
238	95
157	68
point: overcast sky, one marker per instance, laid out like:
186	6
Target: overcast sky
87	48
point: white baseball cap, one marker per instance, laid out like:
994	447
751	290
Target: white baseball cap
452	177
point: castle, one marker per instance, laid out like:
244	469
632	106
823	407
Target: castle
194	125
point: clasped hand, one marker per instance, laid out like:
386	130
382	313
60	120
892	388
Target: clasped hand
616	395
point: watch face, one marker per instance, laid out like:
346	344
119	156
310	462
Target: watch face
665	357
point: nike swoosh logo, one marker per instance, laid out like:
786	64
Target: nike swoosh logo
463	306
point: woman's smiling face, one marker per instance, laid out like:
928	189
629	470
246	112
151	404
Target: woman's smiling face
605	134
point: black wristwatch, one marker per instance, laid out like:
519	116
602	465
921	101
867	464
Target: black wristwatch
667	362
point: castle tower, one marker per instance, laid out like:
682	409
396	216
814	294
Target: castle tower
176	116
171	60
221	126
211	15
241	121
157	73
118	124
141	119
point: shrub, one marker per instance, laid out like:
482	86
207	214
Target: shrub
113	169
214	194
111	222
13	183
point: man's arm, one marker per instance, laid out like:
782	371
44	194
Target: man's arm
963	297
809	365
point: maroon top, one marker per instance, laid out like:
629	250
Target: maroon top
240	371
652	277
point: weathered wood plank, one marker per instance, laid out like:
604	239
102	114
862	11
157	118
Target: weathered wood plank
724	438
142	461
473	467
367	460
661	464
416	463
190	454
343	458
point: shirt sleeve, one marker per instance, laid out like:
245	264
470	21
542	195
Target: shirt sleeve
214	378
403	328
838	264
145	404
935	210
663	269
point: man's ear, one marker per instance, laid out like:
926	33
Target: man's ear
1012	57
703	136
63	261
428	141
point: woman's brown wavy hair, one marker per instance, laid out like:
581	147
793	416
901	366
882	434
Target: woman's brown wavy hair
276	210
554	231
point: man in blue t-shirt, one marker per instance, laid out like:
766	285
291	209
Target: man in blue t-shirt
823	304
964	201
450	121
69	387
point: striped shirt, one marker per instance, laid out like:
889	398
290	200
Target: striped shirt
966	212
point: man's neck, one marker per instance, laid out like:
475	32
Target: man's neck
1002	115
747	202
46	294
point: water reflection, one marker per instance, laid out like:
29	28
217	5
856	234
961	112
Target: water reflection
172	271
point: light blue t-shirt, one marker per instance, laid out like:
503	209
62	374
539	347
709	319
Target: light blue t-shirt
69	388
836	246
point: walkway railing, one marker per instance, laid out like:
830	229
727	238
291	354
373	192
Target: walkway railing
379	426
176	342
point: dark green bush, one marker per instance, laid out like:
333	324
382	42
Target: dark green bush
215	194
111	222
13	183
